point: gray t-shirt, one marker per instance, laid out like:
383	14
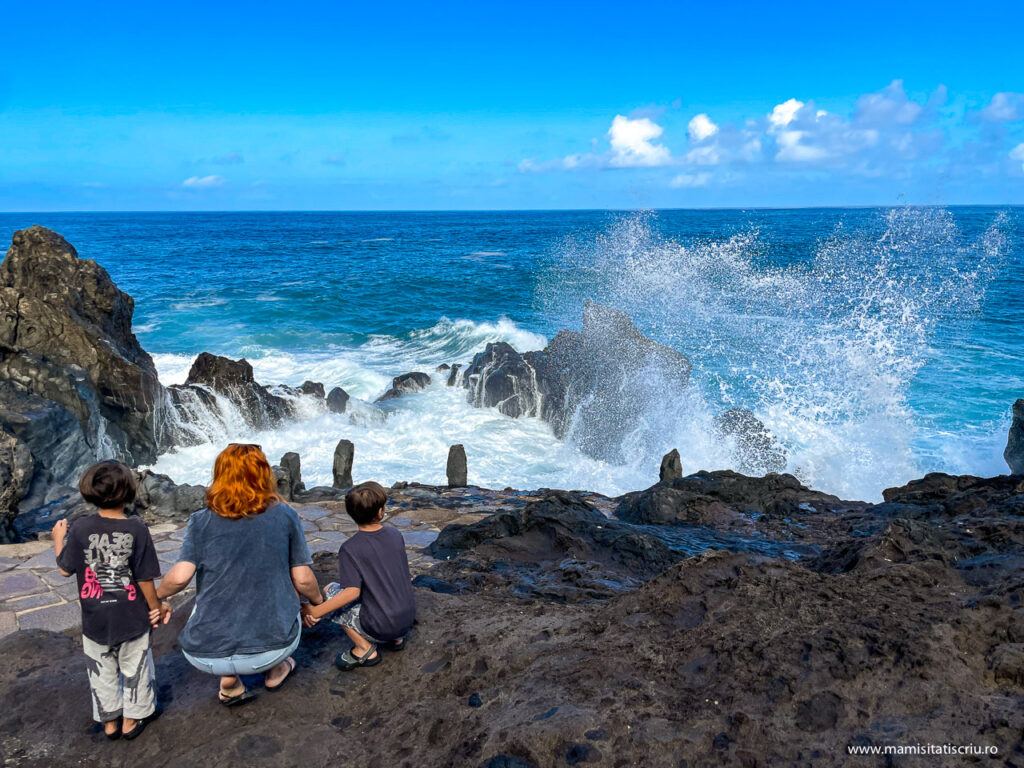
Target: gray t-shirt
245	600
375	562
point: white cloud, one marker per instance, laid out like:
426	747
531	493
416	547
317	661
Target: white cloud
632	145
1005	107
203	182
792	151
688	180
887	107
708	155
1017	153
783	114
701	128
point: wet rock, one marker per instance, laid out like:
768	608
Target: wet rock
406	384
337	400
313	388
159	496
454	375
16	469
293	465
434	585
671	466
712	498
757	452
500	378
1014	452
234	380
585	554
442	367
457	470
344	454
475	701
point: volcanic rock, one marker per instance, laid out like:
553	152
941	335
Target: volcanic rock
234	380
456	469
75	384
313	388
337	400
1014	453
405	384
344	454
500	378
671	466
159	496
757	452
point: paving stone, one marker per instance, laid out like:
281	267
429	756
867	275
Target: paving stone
170	556
178	535
68	591
322	546
25	549
56	618
313	513
8	623
307	526
162	528
337	538
18	583
6	563
167	545
45	559
54	578
20	604
419	538
400	522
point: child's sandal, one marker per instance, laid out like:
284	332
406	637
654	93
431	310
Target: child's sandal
230	701
347	660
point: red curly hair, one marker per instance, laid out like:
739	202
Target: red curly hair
243	482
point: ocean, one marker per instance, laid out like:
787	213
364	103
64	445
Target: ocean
875	344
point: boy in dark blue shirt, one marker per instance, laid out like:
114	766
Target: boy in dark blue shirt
373	596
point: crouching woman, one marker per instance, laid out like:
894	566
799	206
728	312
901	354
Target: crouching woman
251	563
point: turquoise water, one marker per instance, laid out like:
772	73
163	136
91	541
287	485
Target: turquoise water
877	344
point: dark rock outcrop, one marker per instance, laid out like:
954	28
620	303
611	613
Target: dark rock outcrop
289	480
456	469
454	375
337	400
573	551
500	378
714	498
75	385
16	468
757	451
344	454
313	388
405	384
598	383
671	466
159	496
234	380
1014	452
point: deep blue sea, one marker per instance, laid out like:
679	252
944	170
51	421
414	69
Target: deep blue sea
876	344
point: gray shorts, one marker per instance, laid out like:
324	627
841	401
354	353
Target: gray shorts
349	615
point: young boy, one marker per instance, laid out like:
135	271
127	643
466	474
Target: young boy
115	562
373	596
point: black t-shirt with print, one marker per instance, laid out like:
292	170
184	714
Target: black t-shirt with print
110	556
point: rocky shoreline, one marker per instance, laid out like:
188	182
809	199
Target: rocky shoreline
711	619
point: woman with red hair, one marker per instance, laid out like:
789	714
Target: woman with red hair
251	563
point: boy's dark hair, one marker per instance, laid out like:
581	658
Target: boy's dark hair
108	485
364	502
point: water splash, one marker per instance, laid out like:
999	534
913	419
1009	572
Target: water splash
824	351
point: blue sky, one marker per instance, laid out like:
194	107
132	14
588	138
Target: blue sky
330	106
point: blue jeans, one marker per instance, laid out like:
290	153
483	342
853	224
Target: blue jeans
244	663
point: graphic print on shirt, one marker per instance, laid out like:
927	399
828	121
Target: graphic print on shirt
107	569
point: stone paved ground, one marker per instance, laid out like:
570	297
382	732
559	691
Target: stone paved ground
34	595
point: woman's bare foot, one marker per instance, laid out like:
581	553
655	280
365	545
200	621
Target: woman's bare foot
276	676
111	727
127	724
231	686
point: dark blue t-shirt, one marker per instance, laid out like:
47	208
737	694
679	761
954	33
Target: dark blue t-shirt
375	562
245	599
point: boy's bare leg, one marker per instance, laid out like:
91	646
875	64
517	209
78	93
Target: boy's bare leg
362	645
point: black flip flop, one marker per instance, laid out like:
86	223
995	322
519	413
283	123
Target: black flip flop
291	671
116	734
397	646
347	660
231	701
140	726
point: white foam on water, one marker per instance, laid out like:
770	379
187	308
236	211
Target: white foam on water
823	352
